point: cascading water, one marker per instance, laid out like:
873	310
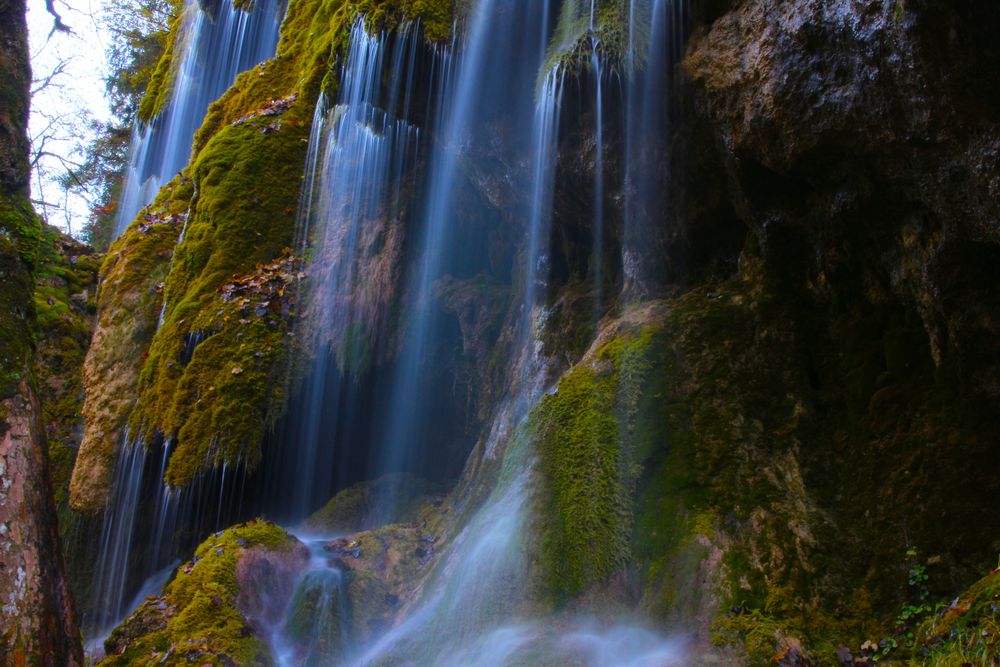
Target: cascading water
368	168
215	48
360	151
655	42
492	92
137	548
475	608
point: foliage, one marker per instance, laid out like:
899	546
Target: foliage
139	31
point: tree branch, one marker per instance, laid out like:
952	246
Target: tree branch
57	22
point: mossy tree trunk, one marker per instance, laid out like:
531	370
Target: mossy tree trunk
38	625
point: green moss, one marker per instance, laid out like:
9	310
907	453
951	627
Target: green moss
161	79
583	432
19	241
65	286
202	623
966	632
573	43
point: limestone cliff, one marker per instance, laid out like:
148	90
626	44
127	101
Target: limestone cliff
780	438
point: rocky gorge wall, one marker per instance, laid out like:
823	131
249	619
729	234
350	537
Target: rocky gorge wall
38	622
785	447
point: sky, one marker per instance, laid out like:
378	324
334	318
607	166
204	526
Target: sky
62	110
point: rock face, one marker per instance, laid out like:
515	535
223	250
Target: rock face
788	451
841	384
37	622
864	132
36	608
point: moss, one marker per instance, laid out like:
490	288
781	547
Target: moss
65	287
394	498
583	432
574	42
201	621
19	240
161	80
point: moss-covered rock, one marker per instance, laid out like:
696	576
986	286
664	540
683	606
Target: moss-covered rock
383	569
316	620
583	431
19	239
967	631
130	300
65	291
576	38
215	609
394	498
223	393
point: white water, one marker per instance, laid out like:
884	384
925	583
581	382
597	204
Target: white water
212	52
476	607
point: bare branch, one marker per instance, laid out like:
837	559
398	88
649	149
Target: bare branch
66	163
57	22
47	81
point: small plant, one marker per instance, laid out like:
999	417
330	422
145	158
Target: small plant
914	611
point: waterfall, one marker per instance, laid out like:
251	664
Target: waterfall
655	42
544	156
493	87
360	151
598	252
398	151
212	52
108	598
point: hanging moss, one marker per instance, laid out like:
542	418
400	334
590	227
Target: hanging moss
584	435
130	298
